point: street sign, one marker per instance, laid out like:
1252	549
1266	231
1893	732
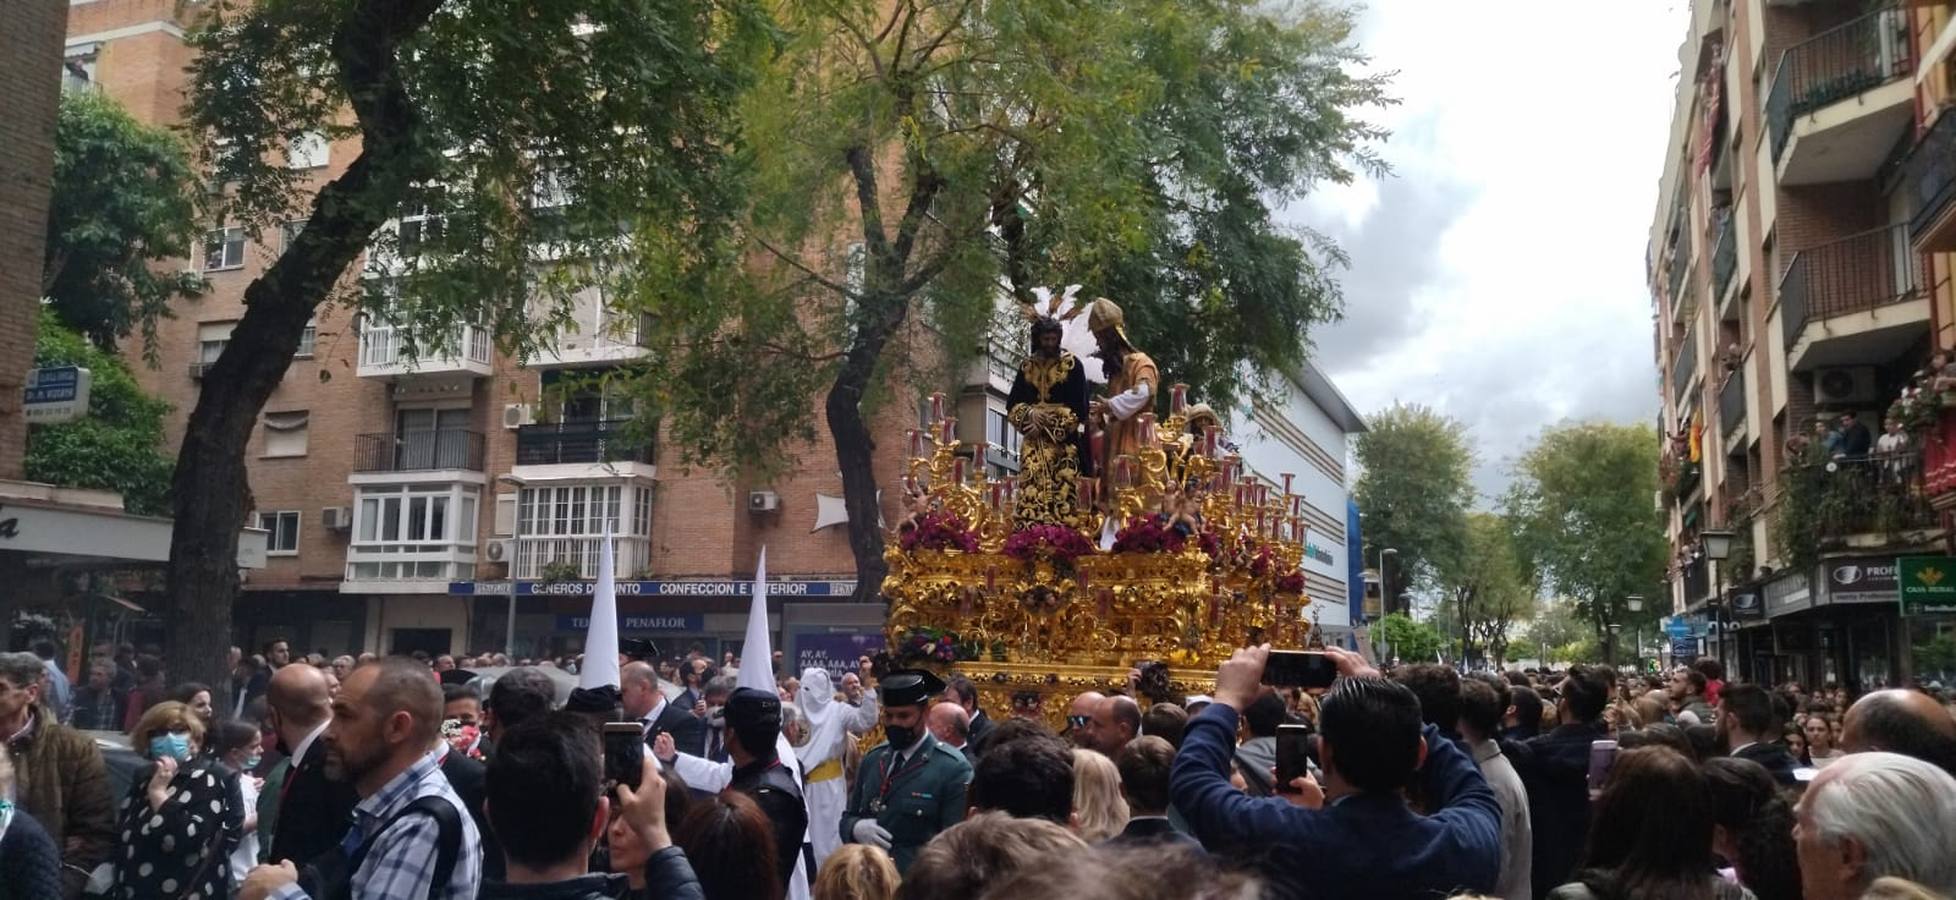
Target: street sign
1684	649
55	394
1928	584
1677	627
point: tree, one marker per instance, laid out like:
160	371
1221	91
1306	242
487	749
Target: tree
1413	491
1408	640
1485	590
118	445
912	157
557	148
124	206
1584	522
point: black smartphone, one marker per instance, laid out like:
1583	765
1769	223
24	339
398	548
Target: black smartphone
624	753
1293	755
1299	668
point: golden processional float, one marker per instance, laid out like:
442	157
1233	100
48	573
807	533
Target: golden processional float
1171	555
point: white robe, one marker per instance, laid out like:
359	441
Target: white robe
830	726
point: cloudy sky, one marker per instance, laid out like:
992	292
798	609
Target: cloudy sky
1497	275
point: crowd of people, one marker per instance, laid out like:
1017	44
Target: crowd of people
404	777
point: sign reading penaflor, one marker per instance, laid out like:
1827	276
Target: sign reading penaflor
1928	584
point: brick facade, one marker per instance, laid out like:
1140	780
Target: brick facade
30	59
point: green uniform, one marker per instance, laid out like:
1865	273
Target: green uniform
923	797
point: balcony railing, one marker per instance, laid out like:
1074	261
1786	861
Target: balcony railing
577	557
416	451
581	442
1731	405
1685	364
1932	174
1697	581
1725	255
1680	259
1834	65
1827	500
1856	274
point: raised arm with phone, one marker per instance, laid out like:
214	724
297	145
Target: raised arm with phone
1364	841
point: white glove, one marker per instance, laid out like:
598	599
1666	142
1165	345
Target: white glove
868	832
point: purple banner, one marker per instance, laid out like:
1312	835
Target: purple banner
836	652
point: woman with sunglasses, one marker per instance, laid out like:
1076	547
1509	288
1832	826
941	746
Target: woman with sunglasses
182	818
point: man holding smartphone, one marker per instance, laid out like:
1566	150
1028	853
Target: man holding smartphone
1362	840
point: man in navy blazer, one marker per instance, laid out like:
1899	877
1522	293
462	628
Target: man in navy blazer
1360	840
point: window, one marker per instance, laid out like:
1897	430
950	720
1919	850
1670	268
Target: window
582	510
78	69
211	340
308	338
308	151
285	433
1005	440
284	528
224	249
428	514
420	223
289	232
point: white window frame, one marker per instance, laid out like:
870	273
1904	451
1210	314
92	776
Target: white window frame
371	511
224	239
308	339
208	348
310	150
425	225
78	67
284	523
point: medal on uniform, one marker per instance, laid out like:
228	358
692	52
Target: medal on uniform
876	807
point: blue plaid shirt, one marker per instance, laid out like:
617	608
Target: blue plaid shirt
401	862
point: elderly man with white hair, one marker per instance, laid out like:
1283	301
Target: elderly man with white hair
1875	815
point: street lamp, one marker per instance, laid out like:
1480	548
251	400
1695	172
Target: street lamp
1717	544
1610	656
1635	603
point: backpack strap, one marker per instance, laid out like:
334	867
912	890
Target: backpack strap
448	844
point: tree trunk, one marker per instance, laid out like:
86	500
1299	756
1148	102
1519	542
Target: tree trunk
211	490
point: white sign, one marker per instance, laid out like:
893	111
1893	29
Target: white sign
56	394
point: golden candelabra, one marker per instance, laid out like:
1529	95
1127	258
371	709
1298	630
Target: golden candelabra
1203	560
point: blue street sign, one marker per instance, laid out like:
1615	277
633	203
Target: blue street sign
1677	627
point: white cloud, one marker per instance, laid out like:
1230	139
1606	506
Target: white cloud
1498	275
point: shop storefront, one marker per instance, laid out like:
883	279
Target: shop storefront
1838	627
1928	609
809	617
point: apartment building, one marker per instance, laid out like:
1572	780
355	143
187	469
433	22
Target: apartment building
434	503
1799	264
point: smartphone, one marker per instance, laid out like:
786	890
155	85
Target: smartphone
624	752
1299	668
1602	756
1293	755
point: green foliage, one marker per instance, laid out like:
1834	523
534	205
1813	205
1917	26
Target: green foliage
1408	640
1557	623
122	211
561	151
1132	146
117	446
1486	589
1414	488
1585	525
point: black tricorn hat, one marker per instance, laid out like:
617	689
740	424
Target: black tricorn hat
910	687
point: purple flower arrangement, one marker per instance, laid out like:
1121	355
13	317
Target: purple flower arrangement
1062	543
1148	534
940	530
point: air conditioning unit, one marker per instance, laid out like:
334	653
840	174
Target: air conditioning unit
1843	388
763	501
336	518
500	551
197	370
517	415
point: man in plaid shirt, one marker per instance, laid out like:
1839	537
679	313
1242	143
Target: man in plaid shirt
385	720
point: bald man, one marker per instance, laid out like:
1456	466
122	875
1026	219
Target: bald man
951	725
1901	721
1116	720
312	810
1079	717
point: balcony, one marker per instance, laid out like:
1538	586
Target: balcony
1725	255
1841	100
574	443
1856	301
411	536
597	334
1680	260
1931	183
1697	583
383	354
1862	502
418	451
1731	405
576	558
1685	365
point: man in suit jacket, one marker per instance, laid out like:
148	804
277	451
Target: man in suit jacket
1144	765
960	691
1747	722
645	704
1359	840
313	810
948	724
